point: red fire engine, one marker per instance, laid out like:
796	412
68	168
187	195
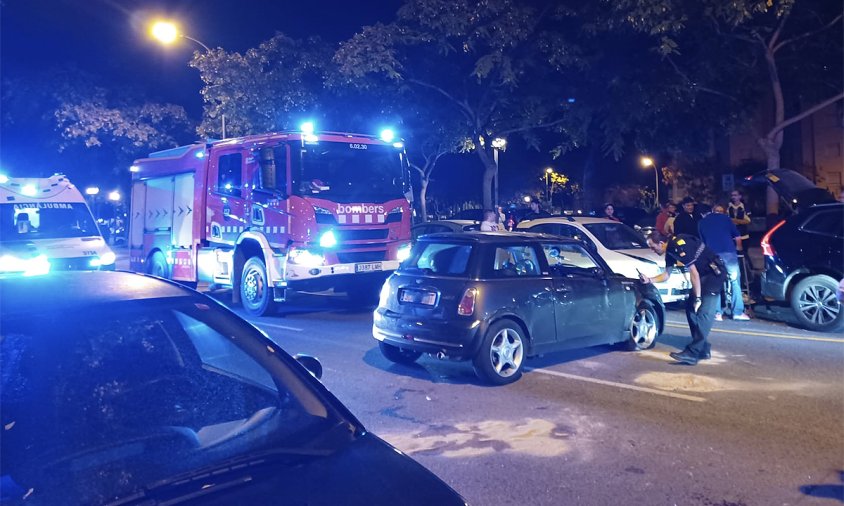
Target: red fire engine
266	214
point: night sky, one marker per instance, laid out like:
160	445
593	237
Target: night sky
109	38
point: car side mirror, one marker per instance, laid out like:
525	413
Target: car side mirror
310	363
598	272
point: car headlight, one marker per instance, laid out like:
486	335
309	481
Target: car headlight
403	253
306	258
328	239
106	258
34	266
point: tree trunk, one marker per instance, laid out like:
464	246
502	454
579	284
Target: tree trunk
772	143
490	171
423	193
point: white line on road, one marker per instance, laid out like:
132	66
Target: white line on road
277	326
773	335
618	385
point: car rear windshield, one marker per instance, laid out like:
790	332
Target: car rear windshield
616	235
441	258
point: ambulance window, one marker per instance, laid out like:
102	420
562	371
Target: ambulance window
229	174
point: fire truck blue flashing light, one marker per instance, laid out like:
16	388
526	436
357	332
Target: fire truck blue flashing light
29	190
4	178
200	154
307	127
387	135
328	239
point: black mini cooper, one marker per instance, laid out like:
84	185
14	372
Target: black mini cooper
497	298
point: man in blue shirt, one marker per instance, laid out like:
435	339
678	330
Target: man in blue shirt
720	234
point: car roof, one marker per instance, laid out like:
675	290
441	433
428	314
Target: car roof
584	220
66	290
448	222
493	237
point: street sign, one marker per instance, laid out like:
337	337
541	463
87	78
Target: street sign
727	182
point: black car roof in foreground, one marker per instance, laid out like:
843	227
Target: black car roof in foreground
494	237
62	291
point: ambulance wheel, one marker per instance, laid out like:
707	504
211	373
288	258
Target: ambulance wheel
157	265
255	291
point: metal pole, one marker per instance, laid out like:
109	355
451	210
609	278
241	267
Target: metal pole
656	187
495	180
224	126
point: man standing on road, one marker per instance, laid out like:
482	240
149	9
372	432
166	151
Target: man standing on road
707	273
536	211
720	234
739	215
687	219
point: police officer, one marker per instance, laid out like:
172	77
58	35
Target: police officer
707	273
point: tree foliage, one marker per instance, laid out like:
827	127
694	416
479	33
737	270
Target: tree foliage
264	88
492	67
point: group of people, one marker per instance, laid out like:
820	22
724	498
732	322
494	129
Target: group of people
707	241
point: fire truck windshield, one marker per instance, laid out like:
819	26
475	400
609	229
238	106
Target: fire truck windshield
350	172
45	220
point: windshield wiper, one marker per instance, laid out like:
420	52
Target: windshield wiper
228	474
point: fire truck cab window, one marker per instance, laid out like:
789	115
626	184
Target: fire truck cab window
273	169
229	174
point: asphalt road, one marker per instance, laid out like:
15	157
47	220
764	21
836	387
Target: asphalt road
761	423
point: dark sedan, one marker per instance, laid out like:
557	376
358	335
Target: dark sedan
498	298
120	388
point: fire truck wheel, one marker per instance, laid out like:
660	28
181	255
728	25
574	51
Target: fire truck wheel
157	265
255	292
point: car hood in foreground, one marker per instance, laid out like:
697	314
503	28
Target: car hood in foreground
368	471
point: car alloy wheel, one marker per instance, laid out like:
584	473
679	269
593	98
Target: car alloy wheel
815	303
644	327
502	353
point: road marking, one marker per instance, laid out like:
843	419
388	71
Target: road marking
618	385
768	334
277	326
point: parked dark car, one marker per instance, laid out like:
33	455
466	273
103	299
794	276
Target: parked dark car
437	226
804	263
497	298
126	389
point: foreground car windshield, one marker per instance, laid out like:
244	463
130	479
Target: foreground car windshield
100	403
616	235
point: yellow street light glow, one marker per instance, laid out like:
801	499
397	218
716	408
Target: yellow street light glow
527	198
646	161
549	170
499	143
164	32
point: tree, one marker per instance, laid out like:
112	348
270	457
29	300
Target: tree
490	66
264	88
792	46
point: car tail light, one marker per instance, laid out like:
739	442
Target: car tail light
767	249
467	302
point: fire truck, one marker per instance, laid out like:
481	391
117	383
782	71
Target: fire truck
269	214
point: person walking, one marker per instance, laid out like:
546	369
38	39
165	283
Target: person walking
536	211
667	212
490	223
609	213
687	219
707	274
720	234
739	215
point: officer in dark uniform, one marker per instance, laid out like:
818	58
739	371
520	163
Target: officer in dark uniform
707	273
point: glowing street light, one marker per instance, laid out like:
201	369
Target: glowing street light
167	32
548	173
646	162
114	196
498	143
92	190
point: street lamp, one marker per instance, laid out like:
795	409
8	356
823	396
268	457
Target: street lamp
114	196
497	143
548	173
646	162
167	32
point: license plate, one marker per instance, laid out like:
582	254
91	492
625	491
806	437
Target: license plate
368	267
418	297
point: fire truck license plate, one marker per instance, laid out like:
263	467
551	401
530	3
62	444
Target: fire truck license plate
368	267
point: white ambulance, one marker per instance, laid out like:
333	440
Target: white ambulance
46	225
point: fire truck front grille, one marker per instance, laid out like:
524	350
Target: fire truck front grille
361	256
362	234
